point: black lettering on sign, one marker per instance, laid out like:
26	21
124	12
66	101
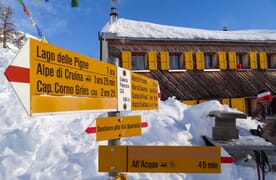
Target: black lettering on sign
213	165
139	88
98	80
139	96
63	89
43	88
104	128
94	92
111	82
43	54
149	165
135	164
131	126
140	104
80	63
124	126
112	93
153	90
140	80
44	70
80	90
111	72
64	59
117	127
73	75
105	93
59	73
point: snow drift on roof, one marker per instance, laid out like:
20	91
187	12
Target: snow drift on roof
139	29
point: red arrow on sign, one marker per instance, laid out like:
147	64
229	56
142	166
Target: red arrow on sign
225	156
18	74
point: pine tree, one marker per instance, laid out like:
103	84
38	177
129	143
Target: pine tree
7	27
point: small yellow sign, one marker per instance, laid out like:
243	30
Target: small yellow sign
167	159
118	127
59	73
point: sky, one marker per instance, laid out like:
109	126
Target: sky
56	146
77	29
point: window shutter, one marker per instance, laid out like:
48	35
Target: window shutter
263	60
152	60
199	61
253	60
126	59
226	101
239	104
164	57
189	60
190	102
222	60
232	60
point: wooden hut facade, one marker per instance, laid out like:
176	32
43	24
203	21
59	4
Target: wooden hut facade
226	66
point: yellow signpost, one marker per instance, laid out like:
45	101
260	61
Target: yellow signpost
168	159
49	79
118	127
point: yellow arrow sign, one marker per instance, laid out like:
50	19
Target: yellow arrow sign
49	79
118	127
179	159
144	92
56	74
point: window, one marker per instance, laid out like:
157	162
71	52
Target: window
210	61
174	61
138	61
242	61
271	61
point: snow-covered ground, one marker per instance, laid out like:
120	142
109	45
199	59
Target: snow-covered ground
57	147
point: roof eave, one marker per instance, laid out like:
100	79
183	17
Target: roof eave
113	36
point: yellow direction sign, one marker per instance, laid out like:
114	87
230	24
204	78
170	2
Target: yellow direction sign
144	92
118	127
168	159
49	79
59	74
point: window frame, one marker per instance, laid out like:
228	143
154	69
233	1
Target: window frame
136	58
271	61
213	61
242	61
175	61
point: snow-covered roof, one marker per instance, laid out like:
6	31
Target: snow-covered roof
124	28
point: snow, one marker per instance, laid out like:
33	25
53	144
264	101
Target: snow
139	29
57	147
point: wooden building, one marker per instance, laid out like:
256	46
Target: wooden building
195	65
